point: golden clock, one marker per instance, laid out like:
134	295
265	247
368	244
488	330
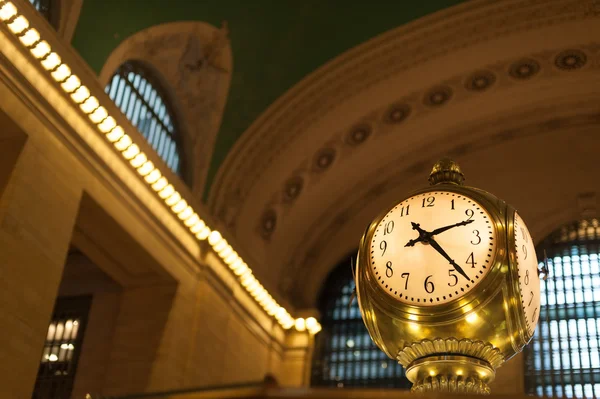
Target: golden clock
448	284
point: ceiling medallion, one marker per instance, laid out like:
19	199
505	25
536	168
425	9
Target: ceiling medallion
358	135
397	113
292	188
268	223
570	59
324	159
524	69
480	81
438	96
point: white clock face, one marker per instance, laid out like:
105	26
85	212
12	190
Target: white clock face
529	281
433	248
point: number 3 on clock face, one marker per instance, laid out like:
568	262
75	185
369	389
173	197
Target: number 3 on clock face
529	281
433	248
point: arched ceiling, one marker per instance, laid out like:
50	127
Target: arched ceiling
274	43
510	89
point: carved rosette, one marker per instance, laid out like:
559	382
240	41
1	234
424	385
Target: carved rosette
451	346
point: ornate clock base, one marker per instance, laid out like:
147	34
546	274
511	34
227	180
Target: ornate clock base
452	373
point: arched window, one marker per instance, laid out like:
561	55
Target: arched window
345	355
563	358
49	9
141	98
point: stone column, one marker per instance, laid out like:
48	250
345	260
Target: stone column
38	207
297	359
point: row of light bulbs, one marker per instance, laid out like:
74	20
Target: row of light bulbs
80	94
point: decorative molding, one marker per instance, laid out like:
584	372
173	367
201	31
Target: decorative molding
195	62
390	54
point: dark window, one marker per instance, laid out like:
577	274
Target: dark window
56	373
48	8
563	358
139	96
345	355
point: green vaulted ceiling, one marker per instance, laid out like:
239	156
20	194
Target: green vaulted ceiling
275	43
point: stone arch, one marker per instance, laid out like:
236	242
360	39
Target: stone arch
195	62
504	88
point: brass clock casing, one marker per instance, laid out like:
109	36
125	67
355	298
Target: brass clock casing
456	346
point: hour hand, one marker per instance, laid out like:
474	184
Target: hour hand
411	243
442	229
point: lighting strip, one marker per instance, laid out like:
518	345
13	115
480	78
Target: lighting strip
115	134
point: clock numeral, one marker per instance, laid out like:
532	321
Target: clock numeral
476	232
524	251
526	279
530	299
452	275
429	287
428	202
407	208
470	213
524	235
471	261
389	227
389	272
452	202
406	276
534	316
383	247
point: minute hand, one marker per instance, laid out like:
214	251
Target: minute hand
437	247
442	229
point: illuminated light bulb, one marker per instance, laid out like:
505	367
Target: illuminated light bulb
90	105
146	168
61	73
51	61
242	269
53	357
173	199
271	309
226	252
115	134
287	325
192	220
139	160
107	124
160	184
7	11
281	312
236	264
81	94
30	37
124	143
198	226
99	115
311	323
71	83
203	234
246	277
261	296
19	25
153	176
472	318
232	257
316	329
300	324
221	245
41	49
186	213
166	192
252	285
179	206
214	237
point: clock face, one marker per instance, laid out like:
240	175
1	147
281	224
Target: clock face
433	248
529	281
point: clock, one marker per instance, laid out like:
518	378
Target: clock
529	281
433	248
447	283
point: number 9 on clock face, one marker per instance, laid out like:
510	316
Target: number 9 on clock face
432	248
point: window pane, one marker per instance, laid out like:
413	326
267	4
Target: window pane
563	358
141	100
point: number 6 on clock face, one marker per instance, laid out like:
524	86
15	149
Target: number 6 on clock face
432	248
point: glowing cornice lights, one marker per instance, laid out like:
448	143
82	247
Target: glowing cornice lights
106	124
